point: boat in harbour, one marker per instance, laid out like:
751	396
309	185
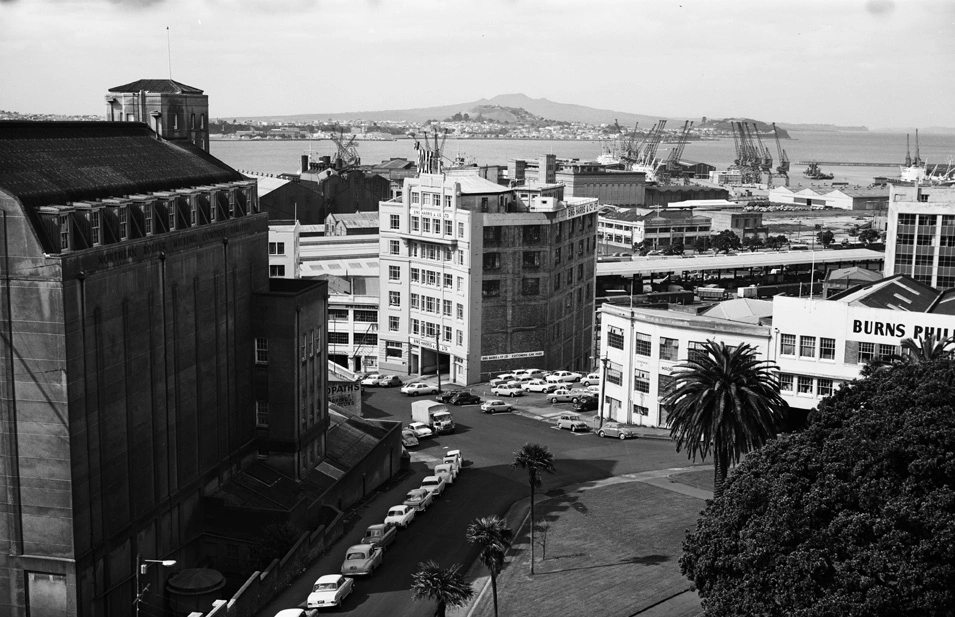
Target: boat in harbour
814	172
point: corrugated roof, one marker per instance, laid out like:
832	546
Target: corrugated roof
159	86
44	163
744	310
476	185
854	273
899	292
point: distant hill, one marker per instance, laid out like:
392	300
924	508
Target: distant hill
832	128
937	130
726	125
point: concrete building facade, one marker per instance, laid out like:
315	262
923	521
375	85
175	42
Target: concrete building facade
175	111
920	237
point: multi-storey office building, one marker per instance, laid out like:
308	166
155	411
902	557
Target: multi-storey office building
475	280
920	238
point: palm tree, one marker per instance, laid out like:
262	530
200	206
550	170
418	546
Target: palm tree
493	535
927	348
444	586
724	399
536	460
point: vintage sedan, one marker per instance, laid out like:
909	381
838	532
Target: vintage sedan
459	397
502	378
361	559
538	385
370	380
446	472
507	389
421	430
408	438
419	499
455	458
434	484
562	395
586	403
380	535
400	516
388	381
563	377
417	387
618	430
330	590
495	405
571	421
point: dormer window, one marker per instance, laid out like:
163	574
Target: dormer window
95	227
148	219
123	223
172	215
64	233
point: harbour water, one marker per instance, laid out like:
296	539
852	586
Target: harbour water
275	157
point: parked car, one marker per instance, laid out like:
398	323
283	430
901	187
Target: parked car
421	430
562	395
388	381
587	403
495	405
502	378
416	387
380	534
370	379
459	397
446	471
361	559
400	516
434	484
616	429
595	388
419	499
563	376
508	389
408	438
291	612
532	373
538	385
592	378
455	458
571	421
330	590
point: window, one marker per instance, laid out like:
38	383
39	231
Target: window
367	338
827	348
394	221
426	224
866	352
393	323
262	414
664	383
492	261
824	387
669	348
338	338
275	271
530	287
394	273
415	275
531	259
394	298
807	346
785	382
261	350
415	326
446	334
446	307
276	248
804	384
557	256
695	351
640	410
460	228
641	345
448	228
888	350
95	217
460	284
641	381
490	288
365	316
431	278
394	247
615	338
614	373
484	204
392	349
148	218
123	225
460	311
492	234
415	197
415	223
448	281
460	338
531	234
430	305
787	344
415	301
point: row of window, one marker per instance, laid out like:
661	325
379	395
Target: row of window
361	338
431	330
424	276
360	315
430	199
807	346
530	286
805	384
429	304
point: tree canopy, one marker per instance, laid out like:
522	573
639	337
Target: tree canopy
853	516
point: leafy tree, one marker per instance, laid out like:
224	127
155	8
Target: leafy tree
726	241
701	244
724	400
644	247
825	238
443	586
776	242
493	535
853	516
676	248
753	243
275	542
925	349
868	236
536	460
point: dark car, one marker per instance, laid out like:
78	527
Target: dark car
586	403
459	397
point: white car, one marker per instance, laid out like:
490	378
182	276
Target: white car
362	559
455	458
421	430
538	385
330	590
591	379
446	471
595	388
533	373
434	484
508	389
370	380
416	387
419	499
400	516
571	421
563	376
503	378
495	405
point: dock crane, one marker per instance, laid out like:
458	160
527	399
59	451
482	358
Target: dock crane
782	170
629	149
747	161
671	167
646	152
347	155
766	157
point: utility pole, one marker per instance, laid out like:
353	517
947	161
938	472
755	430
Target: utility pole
603	386
141	566
437	355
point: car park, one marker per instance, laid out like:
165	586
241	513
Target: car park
400	516
388	381
571	421
563	376
446	471
587	403
562	395
370	380
419	499
616	429
502	378
459	397
330	590
421	430
508	389
408	438
495	405
361	559
538	385
416	388
434	484
380	534
592	378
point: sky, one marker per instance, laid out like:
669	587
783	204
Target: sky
878	63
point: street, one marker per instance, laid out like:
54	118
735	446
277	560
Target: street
486	485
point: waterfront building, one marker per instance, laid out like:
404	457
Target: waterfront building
844	198
625	229
742	223
920	235
662	196
582	179
475	280
175	111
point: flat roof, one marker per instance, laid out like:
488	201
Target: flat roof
643	265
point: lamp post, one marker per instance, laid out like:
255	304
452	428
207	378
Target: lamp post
437	355
141	566
603	385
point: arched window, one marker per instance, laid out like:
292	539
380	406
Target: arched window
202	121
192	121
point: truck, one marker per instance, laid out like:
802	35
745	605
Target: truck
434	414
